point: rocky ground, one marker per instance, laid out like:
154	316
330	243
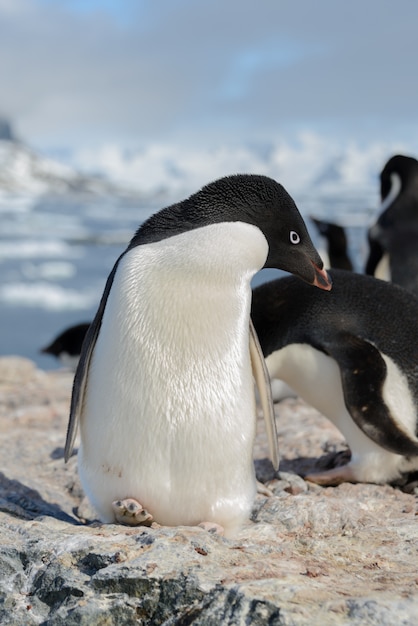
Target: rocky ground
310	555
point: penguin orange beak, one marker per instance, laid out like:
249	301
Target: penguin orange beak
322	278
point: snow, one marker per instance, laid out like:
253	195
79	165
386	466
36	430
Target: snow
25	172
310	164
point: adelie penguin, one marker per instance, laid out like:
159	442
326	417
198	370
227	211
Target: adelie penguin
66	347
336	256
337	248
351	354
393	239
164	392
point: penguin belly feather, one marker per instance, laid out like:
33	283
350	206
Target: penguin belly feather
169	411
382	270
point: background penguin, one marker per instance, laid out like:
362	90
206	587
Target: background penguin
352	355
336	239
163	391
66	347
336	256
393	240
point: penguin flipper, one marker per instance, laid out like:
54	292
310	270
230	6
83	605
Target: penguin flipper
81	375
363	375
262	380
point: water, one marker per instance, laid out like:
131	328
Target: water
56	253
55	256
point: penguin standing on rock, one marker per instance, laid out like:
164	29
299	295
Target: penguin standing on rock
164	392
393	240
351	354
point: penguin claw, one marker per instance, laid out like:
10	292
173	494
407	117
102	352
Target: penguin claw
131	513
333	477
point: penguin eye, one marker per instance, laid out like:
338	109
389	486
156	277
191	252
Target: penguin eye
294	237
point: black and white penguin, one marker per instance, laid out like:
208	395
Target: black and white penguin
335	256
393	239
337	249
352	355
163	392
66	347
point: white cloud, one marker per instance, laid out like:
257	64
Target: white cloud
134	72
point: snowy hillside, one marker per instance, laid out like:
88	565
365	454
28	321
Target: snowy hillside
309	166
23	171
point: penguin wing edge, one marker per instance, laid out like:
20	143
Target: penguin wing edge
262	380
81	375
79	386
363	374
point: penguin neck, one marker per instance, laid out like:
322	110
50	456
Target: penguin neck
179	310
395	189
187	287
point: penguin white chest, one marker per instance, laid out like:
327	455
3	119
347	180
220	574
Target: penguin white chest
382	270
169	415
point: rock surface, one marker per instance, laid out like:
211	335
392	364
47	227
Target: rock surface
310	555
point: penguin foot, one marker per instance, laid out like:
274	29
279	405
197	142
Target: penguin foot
263	490
130	513
333	477
212	527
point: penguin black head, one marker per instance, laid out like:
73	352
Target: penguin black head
256	200
399	195
404	167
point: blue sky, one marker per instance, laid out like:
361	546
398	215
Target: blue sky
85	72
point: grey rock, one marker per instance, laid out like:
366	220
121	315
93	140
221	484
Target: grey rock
309	556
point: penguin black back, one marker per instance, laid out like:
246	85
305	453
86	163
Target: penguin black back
358	321
359	304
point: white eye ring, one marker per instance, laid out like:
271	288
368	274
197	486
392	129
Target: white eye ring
294	237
